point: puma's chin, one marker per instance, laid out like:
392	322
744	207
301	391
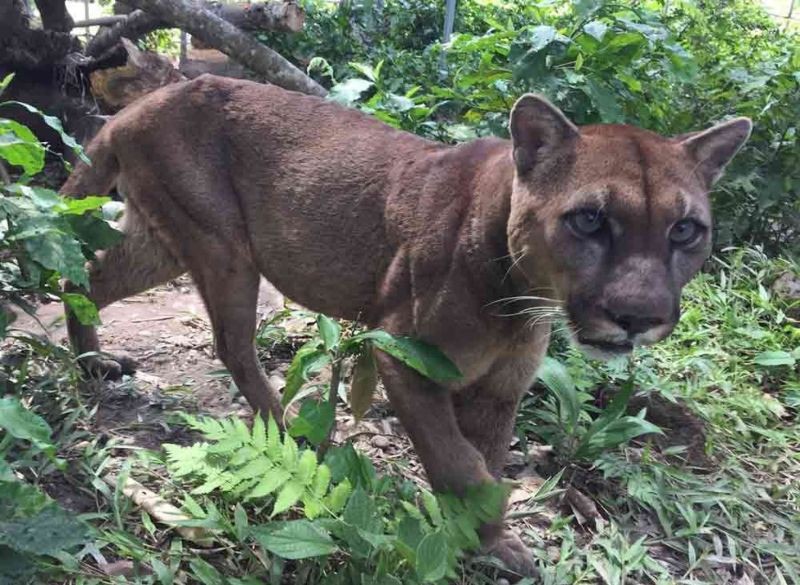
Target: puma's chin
601	349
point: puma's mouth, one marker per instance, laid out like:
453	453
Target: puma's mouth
603	349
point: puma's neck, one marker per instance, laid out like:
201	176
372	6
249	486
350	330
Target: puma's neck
488	256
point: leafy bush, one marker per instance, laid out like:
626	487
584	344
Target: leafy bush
672	67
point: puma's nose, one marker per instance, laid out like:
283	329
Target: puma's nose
635	323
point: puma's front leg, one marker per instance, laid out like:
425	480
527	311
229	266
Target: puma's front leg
486	412
451	461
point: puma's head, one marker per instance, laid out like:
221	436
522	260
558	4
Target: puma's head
611	220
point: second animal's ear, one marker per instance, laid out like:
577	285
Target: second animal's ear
539	131
714	148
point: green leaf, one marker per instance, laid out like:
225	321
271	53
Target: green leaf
55	124
364	381
58	251
297	539
314	420
6	82
20	147
289	495
271	482
47	532
71	206
423	357
329	331
21	423
309	359
339	495
540	37
432	555
555	378
771	359
361	512
596	29
349	91
84	309
94	231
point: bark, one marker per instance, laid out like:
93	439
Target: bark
224	36
275	16
135	26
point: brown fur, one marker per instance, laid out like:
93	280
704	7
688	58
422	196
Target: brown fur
231	180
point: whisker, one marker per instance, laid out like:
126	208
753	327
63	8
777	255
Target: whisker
507	300
513	264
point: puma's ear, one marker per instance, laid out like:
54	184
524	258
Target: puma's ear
538	130
712	149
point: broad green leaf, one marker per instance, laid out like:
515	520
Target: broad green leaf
47	532
84	309
423	357
364	381
71	206
21	423
772	359
58	251
361	512
314	420
55	124
94	231
297	539
432	555
20	147
329	331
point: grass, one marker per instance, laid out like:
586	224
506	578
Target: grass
716	500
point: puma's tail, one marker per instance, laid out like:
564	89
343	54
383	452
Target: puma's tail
98	177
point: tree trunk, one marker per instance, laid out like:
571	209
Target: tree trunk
224	36
54	15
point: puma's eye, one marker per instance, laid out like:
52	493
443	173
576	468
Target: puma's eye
685	232
586	222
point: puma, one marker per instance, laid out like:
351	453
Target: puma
473	248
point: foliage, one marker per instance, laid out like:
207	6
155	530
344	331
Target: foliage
563	419
44	236
316	418
32	526
255	464
672	67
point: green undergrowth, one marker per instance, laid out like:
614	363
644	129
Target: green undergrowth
716	505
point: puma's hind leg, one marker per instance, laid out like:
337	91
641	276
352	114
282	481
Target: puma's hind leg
137	263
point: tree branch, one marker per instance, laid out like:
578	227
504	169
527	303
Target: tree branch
222	35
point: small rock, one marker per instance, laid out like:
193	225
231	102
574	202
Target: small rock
502	581
380	442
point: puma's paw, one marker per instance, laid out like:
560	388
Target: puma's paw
518	558
109	368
